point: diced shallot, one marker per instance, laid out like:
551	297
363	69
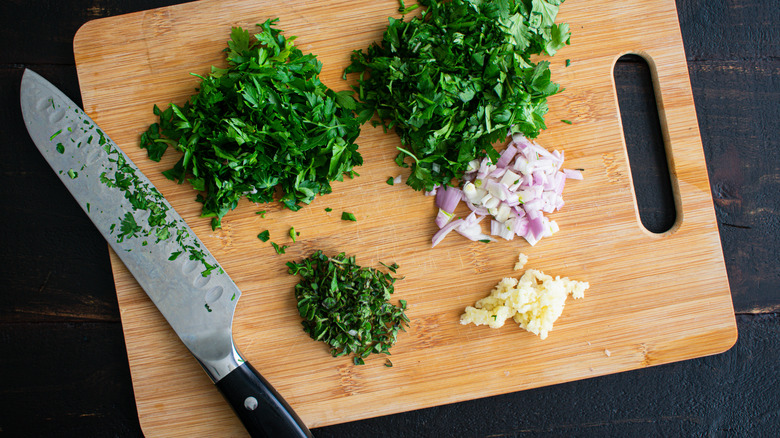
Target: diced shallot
526	182
447	198
442	233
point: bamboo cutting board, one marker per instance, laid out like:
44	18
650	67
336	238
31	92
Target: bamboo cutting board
654	298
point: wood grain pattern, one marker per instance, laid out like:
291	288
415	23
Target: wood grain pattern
654	298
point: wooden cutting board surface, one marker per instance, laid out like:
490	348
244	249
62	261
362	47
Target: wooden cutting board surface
654	298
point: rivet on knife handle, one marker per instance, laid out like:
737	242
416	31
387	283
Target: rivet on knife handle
262	410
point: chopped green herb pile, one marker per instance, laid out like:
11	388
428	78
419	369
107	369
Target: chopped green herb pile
346	305
266	121
459	78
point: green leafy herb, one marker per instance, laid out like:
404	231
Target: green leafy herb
279	249
328	209
261	213
458	78
264	236
568	122
265	122
568	62
348	217
73	174
391	181
403	9
60	148
293	234
347	306
128	227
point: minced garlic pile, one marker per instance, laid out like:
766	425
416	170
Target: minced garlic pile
535	301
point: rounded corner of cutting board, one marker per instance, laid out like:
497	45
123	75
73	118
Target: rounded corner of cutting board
730	341
84	33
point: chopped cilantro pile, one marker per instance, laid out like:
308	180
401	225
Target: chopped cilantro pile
458	78
346	305
265	122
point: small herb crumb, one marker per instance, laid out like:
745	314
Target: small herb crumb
294	234
207	307
264	236
485	240
261	213
174	255
568	122
391	181
73	174
345	216
328	209
60	148
279	249
568	62
388	363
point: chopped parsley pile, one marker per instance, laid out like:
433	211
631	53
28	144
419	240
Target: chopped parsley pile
263	124
458	78
346	305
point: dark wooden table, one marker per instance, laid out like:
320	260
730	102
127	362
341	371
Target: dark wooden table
63	365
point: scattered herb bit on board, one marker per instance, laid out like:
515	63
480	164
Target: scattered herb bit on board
347	306
348	216
568	122
293	234
264	236
391	181
279	249
328	209
265	122
456	79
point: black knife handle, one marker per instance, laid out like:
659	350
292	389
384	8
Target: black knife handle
262	410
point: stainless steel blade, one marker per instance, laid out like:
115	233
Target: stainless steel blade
170	263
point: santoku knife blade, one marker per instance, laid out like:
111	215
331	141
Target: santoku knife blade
182	278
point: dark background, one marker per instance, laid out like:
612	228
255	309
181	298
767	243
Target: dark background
63	365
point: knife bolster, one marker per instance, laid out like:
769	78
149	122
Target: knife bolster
218	368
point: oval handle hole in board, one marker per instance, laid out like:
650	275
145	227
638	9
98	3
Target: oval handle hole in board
645	143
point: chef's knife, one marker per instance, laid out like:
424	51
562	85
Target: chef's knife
171	264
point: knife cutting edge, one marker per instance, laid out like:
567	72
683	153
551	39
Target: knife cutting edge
172	265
